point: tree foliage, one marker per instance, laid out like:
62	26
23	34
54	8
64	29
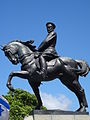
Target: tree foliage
21	103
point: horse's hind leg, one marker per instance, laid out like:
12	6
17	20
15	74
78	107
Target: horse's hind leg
75	87
79	91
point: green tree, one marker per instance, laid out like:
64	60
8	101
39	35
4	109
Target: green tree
21	103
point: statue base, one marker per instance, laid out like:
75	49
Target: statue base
57	115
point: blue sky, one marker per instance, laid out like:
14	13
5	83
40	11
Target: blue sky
26	19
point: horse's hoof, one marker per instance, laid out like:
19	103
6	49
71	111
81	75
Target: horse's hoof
10	87
37	107
81	109
31	112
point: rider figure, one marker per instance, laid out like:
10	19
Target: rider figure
47	48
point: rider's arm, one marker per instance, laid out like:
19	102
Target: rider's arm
42	46
52	40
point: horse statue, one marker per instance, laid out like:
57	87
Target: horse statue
17	51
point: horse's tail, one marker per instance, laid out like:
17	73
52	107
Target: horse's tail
84	68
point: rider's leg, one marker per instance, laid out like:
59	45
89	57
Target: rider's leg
43	67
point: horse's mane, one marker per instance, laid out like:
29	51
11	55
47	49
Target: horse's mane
28	44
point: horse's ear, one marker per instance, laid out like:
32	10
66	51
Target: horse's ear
3	47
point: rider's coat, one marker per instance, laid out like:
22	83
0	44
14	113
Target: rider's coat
48	46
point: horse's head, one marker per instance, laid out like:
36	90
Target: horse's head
10	51
17	49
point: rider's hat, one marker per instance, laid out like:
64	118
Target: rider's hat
50	24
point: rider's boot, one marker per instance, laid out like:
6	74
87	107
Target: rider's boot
43	67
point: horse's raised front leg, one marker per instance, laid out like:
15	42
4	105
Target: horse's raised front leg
21	74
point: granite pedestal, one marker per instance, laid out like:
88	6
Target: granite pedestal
57	115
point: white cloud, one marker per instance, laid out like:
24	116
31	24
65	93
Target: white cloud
52	102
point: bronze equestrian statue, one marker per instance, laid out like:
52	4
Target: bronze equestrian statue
44	64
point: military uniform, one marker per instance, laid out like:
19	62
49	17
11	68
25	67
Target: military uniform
47	47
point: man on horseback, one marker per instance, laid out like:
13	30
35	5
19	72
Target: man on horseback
47	48
65	69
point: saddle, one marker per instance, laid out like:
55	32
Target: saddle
50	63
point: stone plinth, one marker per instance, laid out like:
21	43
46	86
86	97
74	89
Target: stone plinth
57	115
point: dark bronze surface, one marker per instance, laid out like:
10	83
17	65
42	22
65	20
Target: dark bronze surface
44	64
